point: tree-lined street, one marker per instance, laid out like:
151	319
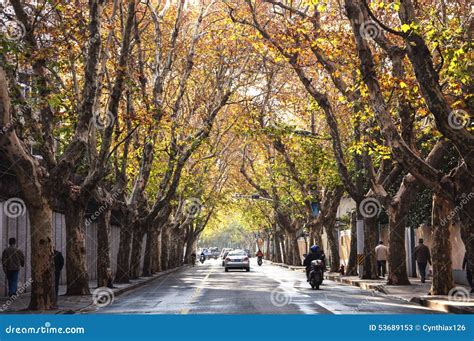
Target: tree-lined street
269	289
134	133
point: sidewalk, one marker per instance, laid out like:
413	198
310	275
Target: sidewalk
74	304
417	292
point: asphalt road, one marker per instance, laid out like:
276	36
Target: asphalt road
269	289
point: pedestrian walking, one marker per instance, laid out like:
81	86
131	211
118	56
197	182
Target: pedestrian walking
12	259
58	266
422	257
381	254
465	265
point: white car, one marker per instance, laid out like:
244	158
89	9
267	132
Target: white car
237	259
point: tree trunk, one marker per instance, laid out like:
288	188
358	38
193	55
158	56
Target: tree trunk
176	254
267	248
76	272
180	253
465	207
165	245
158	252
334	247
370	268
288	249
122	274
398	215
104	272
352	263
42	289
173	249
284	249
294	251
441	248
175	243
137	245
150	246
276	248
189	248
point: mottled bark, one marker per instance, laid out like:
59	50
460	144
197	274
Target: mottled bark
165	247
370	230
137	245
180	250
150	247
189	248
334	248
104	272
30	176
42	274
276	247
465	206
294	251
77	279
122	274
352	263
441	248
398	215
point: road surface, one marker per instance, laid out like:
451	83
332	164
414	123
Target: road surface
269	289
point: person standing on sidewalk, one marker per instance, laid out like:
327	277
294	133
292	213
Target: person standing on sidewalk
381	253
12	260
468	272
422	257
58	266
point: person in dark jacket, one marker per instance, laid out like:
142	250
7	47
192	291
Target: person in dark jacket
12	259
422	256
465	265
58	266
314	254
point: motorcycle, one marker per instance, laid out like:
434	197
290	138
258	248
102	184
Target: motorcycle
316	273
202	259
259	261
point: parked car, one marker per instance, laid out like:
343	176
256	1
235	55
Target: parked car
237	259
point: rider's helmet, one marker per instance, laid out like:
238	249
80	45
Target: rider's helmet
314	248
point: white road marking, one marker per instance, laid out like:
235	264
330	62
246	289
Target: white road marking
328	307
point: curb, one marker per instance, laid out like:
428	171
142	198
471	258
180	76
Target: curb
291	267
447	308
362	285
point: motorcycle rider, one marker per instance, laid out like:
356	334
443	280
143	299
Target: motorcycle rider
259	254
314	254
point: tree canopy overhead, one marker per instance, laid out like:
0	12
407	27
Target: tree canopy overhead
166	111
